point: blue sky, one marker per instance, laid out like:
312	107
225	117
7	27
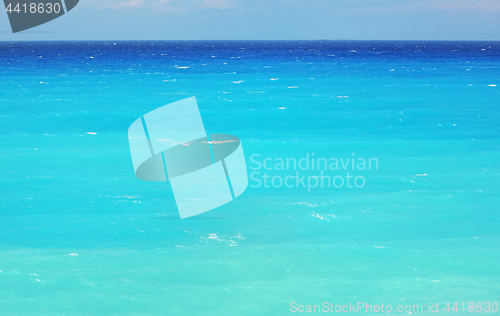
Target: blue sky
270	19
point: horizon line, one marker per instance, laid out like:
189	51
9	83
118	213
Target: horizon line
256	40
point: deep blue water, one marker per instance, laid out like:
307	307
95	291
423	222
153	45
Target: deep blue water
81	235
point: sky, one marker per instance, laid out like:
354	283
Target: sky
269	20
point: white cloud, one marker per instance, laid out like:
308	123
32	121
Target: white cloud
217	4
162	6
129	4
422	6
460	5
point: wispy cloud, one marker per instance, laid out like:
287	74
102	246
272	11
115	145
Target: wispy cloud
163	6
460	5
128	4
168	6
424	5
217	4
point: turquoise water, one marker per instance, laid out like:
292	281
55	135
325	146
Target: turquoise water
81	235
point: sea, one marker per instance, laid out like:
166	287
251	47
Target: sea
404	134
